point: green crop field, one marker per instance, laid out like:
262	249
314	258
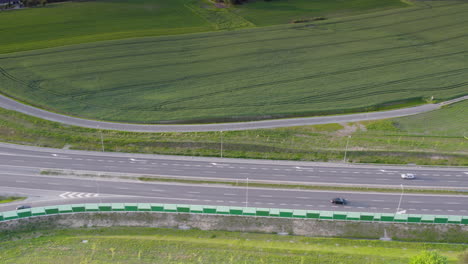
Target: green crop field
264	13
415	139
351	64
87	21
151	245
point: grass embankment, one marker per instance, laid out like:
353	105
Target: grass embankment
415	139
9	199
88	21
359	63
151	245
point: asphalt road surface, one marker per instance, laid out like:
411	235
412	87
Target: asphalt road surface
232	169
8	103
19	174
52	190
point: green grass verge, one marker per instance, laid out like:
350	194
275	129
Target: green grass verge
361	63
382	141
87	21
152	245
9	199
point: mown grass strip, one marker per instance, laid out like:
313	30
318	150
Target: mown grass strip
435	138
9	199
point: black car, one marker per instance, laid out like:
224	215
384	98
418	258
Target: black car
339	200
23	207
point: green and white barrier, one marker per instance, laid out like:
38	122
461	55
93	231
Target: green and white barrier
234	210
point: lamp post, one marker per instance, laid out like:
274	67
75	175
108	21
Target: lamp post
401	198
102	138
346	149
221	133
102	141
102	148
247	194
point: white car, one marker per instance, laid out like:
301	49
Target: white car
407	176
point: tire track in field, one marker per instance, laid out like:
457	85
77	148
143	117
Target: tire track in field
334	99
304	47
221	35
358	88
337	95
180	50
313	76
158	84
240	70
165	83
145	67
33	85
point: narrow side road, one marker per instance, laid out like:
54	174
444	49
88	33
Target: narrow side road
11	104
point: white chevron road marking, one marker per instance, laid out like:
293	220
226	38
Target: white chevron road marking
71	195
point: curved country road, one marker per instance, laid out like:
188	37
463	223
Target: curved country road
11	104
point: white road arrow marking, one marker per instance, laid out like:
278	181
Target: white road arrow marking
71	195
55	155
135	160
64	195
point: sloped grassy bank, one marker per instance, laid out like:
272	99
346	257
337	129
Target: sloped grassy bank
434	138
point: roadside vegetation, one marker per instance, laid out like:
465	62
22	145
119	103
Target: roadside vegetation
415	139
392	58
152	245
9	199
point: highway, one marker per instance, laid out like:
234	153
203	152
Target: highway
232	169
56	190
20	166
11	104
